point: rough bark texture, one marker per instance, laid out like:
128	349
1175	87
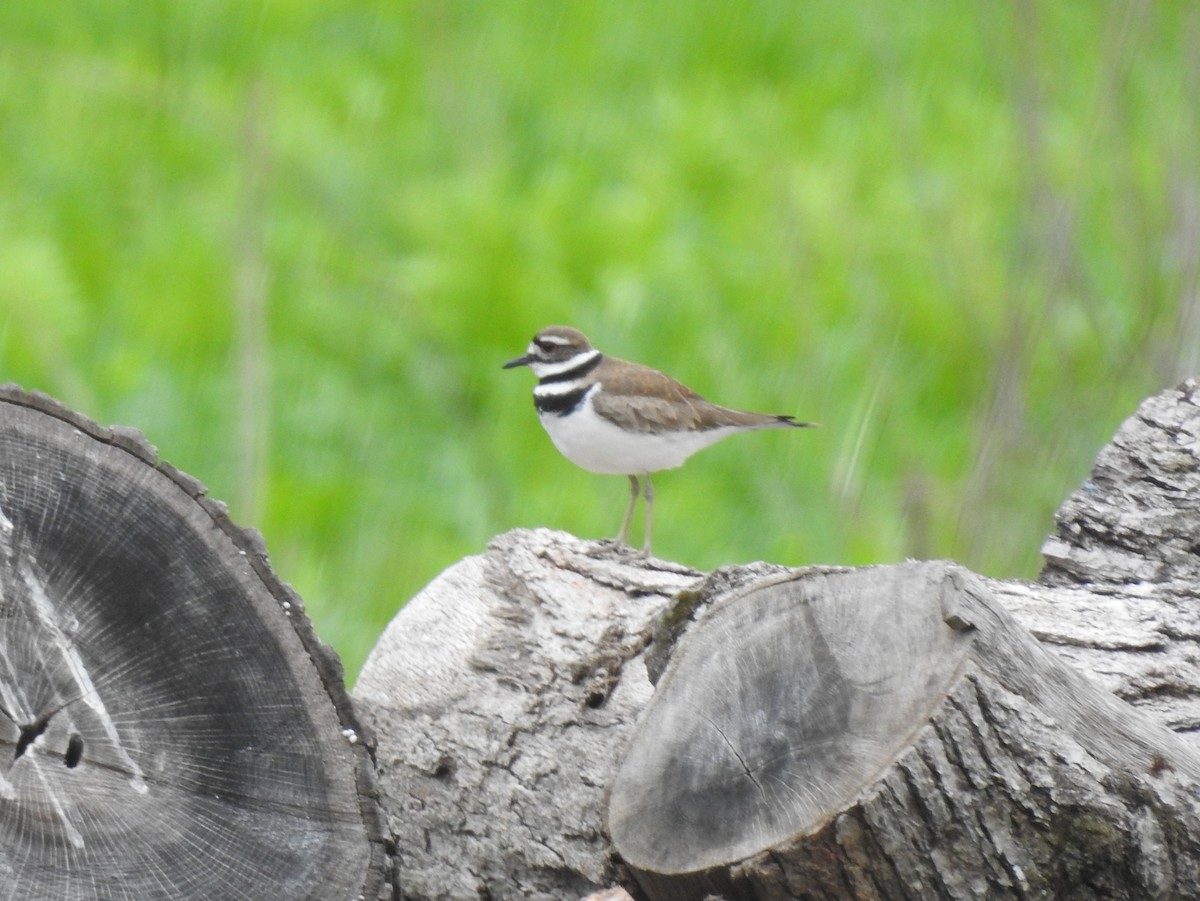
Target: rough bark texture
501	694
506	694
1136	521
1119	596
172	727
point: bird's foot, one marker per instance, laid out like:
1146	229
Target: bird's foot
619	547
607	547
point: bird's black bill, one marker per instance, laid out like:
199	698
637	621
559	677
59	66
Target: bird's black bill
519	361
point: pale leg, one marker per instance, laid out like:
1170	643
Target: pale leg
648	493
623	535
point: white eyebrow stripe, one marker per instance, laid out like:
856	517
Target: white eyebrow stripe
544	369
554	339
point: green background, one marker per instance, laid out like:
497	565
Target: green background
294	241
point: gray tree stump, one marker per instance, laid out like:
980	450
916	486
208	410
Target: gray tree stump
170	727
890	732
502	694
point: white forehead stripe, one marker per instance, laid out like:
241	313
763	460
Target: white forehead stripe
553	339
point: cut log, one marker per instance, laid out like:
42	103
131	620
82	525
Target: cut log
501	694
170	727
892	733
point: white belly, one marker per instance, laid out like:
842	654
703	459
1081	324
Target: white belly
595	444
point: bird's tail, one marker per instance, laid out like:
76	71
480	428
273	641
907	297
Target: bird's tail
783	421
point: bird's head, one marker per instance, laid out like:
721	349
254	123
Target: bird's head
553	350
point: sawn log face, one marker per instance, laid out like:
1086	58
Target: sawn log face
170	728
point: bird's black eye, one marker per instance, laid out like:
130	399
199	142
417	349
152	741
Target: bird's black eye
545	346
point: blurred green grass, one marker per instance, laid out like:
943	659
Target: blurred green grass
293	242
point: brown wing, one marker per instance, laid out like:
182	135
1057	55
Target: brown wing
642	399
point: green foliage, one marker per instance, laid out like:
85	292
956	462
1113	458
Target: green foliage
965	237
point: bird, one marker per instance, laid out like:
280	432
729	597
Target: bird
614	417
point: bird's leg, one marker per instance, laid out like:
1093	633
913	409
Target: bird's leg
623	535
648	493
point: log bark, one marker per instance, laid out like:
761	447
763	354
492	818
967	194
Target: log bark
500	694
1136	520
891	732
1119	594
171	727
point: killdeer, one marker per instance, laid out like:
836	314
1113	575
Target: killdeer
614	417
